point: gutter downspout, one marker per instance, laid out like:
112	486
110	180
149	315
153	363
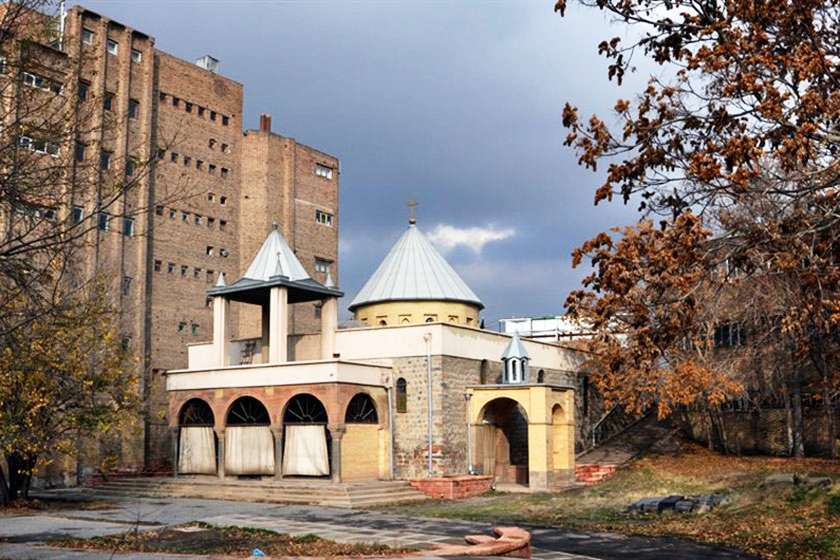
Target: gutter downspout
428	338
470	469
389	390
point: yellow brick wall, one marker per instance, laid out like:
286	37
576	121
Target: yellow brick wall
360	450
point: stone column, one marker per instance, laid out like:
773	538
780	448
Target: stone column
264	341
278	326
220	454
174	433
329	324
278	452
221	308
337	433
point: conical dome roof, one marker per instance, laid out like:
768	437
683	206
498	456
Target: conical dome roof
275	258
414	270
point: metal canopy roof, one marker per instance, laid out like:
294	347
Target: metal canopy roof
275	264
414	270
515	349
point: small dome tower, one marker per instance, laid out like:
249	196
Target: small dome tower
515	363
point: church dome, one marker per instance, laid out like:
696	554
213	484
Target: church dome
413	284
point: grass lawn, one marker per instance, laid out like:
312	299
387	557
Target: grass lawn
202	538
771	523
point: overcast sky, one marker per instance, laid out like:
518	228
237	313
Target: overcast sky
456	104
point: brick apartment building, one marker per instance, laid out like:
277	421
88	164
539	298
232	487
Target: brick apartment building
206	200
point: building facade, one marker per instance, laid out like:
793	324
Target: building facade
173	130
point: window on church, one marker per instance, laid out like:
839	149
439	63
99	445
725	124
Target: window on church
402	395
361	410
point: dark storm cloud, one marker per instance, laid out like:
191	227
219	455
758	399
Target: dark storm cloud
455	104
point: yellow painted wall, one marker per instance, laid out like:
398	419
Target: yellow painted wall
413	312
360	452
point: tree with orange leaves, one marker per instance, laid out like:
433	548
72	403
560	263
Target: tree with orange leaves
735	156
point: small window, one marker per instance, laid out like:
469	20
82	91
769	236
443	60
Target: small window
130	167
84	90
323	171
199	164
125	343
128	227
225	172
49	214
322	265
104	221
162	96
187	160
182	326
126	285
197	273
225	148
211	222
2	64
80	151
161	153
87	36
185	216
225	120
211	197
194	329
210	274
172	213
133	108
105	160
77	214
136	56
209	251
113	47
402	395
211	143
158	265
159	210
176	101
223	200
173	156
170	267
200	111
224	252
211	169
222	225
184	270
197	219
188	107
108	102
324	218
212	115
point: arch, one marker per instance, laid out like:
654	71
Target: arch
247	411
430	319
502	437
541	376
196	412
361	410
402	395
483	372
383	323
305	408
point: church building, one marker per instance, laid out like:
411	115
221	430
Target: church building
413	388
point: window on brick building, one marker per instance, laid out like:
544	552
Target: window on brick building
173	156
211	143
187	160
197	273
87	36
182	326
223	200
136	56
194	329
210	274
188	107
200	111
126	285
324	218
172	213
225	172
158	265
322	265
212	115
130	167
185	216
162	96
105	160
222	225
104	221
133	108
211	169
160	153
113	47
184	270
80	151
108	102
199	164
323	171
224	252
225	120
211	197
77	214
84	90
170	267
225	148
198	219
210	222
402	395
209	251
159	210
176	101
128	227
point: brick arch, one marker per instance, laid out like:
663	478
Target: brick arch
238	398
176	404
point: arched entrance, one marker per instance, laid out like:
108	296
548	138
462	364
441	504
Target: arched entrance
502	441
306	440
361	446
196	438
249	445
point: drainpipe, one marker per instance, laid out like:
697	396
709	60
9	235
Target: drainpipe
467	397
428	338
389	390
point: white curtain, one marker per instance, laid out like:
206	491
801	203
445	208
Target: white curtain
197	453
305	451
249	450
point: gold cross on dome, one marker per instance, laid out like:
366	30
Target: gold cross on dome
412	209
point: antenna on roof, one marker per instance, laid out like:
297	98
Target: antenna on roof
274	225
412	211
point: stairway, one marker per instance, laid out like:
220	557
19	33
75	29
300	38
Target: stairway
288	491
599	463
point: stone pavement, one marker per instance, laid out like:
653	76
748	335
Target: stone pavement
341	525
